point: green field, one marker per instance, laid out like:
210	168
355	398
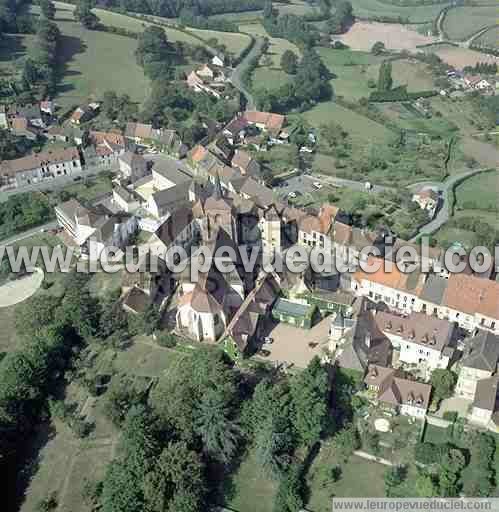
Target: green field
435	435
461	23
94	62
479	192
361	129
234	42
359	478
353	70
415	14
490	39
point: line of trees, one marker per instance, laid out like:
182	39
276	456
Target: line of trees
173	8
40	67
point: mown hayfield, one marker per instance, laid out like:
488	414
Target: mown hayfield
490	39
362	130
370	9
460	57
363	34
94	62
234	42
460	23
479	192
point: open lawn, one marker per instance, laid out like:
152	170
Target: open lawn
361	129
460	57
143	358
460	23
297	7
479	192
252	490
90	188
359	478
94	62
362	36
490	39
369	9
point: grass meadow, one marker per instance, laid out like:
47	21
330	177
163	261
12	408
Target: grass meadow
490	39
416	13
460	23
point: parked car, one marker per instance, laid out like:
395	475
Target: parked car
292	195
317	185
268	340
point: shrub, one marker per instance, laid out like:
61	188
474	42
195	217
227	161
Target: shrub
167	339
450	416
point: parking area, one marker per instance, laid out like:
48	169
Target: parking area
297	346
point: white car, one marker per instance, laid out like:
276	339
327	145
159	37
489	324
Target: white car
268	340
292	195
317	185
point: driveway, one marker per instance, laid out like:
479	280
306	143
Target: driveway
291	344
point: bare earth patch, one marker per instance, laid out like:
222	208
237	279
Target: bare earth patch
461	57
19	290
362	35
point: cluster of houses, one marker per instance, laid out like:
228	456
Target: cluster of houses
81	148
395	328
210	78
464	83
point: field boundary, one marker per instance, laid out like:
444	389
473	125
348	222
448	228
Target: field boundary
452	191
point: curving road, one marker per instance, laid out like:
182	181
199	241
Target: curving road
236	77
445	188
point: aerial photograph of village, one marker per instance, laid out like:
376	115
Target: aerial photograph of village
249	255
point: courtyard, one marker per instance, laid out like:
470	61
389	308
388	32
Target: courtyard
296	346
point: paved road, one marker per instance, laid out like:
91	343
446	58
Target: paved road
235	78
29	233
445	188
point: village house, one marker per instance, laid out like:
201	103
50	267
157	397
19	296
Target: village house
246	164
476	83
398	290
472	302
485	404
38	167
47	107
407	397
479	362
93	229
420	340
125	200
21	127
218	60
315	230
84	113
427	200
133	167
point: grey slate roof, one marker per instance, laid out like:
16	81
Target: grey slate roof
434	289
483	353
486	393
